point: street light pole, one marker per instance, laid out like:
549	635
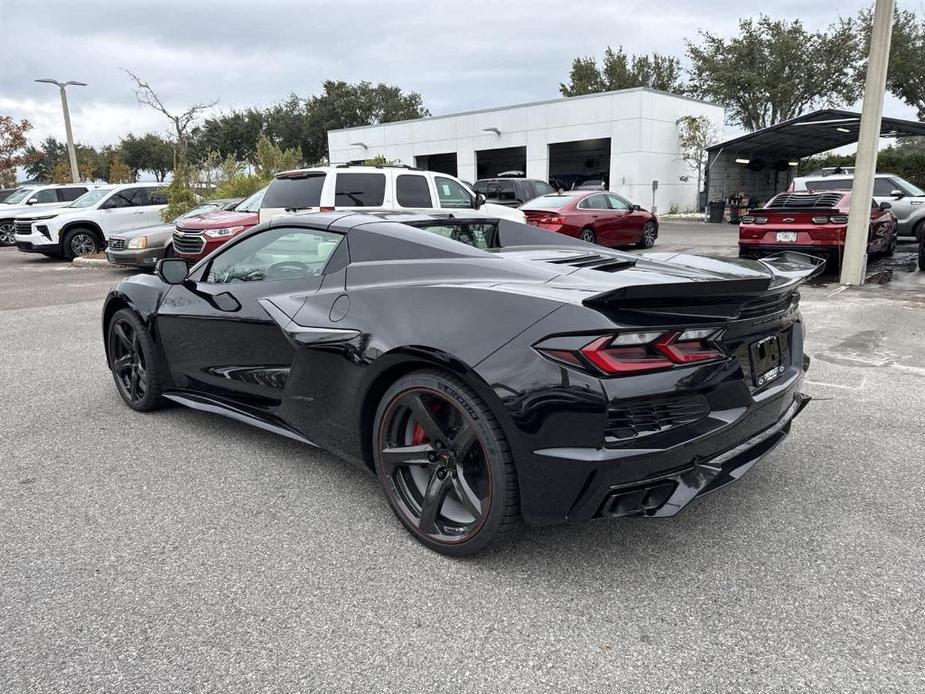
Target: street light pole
72	153
854	261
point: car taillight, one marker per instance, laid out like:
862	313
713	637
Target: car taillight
548	219
637	352
820	220
747	219
839	219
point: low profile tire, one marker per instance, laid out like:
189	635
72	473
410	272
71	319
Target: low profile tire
444	463
79	242
132	361
922	255
649	234
7	233
587	234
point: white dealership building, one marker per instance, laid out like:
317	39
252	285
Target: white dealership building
626	138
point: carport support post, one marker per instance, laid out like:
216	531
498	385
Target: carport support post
854	262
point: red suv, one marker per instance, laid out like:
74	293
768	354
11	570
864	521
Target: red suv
813	223
604	218
195	237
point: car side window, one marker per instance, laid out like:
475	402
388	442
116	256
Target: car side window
594	202
413	191
543	188
275	254
46	195
157	196
618	203
138	197
121	198
883	187
359	190
70	194
452	194
479	235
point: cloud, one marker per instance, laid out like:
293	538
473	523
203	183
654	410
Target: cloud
458	56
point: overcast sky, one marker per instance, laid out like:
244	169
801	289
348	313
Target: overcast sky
458	55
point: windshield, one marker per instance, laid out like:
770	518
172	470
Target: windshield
251	204
295	193
910	188
547	202
18	196
91	197
202	209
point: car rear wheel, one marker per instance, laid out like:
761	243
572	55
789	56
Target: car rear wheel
587	234
444	463
80	242
132	361
7	233
648	236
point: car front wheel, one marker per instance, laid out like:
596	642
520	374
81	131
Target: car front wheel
7	233
79	242
649	235
132	361
444	463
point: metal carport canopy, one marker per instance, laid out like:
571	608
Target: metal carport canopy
810	134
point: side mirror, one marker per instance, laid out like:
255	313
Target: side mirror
479	200
31	201
885	205
897	193
171	270
636	208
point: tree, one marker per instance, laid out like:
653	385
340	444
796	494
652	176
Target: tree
120	172
619	71
182	122
44	162
774	70
230	134
343	105
906	73
271	158
13	148
695	134
150	152
61	173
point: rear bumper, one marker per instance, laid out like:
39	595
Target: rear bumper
759	249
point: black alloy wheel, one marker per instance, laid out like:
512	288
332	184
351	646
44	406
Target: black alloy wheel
131	360
648	235
588	235
444	463
7	233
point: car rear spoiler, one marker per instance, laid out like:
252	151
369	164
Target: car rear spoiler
716	298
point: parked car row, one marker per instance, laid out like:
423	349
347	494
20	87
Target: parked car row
74	220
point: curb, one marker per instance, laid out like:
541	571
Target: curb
92	262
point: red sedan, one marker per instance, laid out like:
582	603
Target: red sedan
813	223
195	237
597	217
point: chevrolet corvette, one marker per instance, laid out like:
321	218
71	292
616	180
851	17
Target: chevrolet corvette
486	371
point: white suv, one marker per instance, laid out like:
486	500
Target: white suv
84	226
31	198
383	188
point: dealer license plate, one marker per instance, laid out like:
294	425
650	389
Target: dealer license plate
766	361
786	236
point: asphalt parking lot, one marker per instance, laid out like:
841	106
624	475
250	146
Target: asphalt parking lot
179	551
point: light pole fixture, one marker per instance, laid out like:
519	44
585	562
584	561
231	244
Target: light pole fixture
359	144
72	153
496	131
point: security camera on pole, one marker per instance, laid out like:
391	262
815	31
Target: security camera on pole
72	154
854	261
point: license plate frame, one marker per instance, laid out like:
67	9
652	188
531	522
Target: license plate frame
766	356
786	236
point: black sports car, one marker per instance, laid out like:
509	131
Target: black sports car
485	370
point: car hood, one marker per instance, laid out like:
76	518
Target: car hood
154	232
219	219
23	211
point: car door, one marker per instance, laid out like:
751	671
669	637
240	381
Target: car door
156	201
219	340
43	197
121	211
596	213
629	221
452	195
